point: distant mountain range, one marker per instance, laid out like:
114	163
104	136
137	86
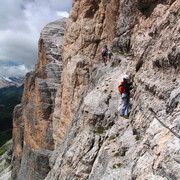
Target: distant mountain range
11	81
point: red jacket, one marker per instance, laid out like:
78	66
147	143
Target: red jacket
125	87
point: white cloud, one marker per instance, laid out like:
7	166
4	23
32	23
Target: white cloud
11	71
18	47
62	14
21	24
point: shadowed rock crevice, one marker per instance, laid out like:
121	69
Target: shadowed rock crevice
147	6
94	6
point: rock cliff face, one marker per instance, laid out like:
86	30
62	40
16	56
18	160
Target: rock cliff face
100	145
87	30
32	134
91	140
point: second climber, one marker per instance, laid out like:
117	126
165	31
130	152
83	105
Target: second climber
104	53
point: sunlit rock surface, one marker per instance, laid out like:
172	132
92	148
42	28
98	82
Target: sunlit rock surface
32	131
91	140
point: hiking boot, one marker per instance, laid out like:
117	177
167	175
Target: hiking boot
126	117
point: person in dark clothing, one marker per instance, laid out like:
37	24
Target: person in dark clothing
124	89
104	53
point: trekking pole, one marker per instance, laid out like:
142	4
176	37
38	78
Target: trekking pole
155	115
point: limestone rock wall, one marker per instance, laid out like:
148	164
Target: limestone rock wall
76	110
99	144
88	29
32	133
18	138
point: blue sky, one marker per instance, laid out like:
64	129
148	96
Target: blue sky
21	24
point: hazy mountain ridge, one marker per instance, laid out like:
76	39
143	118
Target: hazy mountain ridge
11	81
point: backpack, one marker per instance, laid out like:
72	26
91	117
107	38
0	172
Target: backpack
120	89
104	51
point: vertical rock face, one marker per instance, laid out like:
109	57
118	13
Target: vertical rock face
87	30
100	145
33	145
18	137
92	141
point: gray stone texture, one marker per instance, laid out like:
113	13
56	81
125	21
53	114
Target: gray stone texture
32	131
91	140
98	143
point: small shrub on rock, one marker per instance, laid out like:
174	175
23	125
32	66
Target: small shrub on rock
99	130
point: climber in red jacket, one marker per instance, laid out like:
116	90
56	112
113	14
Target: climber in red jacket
124	89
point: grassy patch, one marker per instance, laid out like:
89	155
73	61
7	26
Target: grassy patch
117	165
99	130
3	149
138	137
106	102
112	138
117	154
117	51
